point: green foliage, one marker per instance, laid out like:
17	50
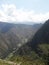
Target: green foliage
44	48
4	63
32	59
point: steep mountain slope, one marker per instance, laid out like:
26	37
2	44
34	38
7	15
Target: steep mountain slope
36	49
41	37
12	36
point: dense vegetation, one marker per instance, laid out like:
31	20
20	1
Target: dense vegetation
41	58
32	59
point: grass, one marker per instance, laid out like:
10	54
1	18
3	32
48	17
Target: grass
3	63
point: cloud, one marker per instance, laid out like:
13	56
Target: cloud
9	13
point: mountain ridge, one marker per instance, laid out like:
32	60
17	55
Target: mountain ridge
40	37
14	35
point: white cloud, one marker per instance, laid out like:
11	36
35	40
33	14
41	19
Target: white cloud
9	13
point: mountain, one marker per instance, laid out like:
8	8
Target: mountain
26	22
40	37
32	49
36	50
13	36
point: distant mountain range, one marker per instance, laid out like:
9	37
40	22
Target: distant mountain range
25	22
13	36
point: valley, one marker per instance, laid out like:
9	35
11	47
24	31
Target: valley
22	44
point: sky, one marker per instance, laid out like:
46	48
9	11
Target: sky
24	10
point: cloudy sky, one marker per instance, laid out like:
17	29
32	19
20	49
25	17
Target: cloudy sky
24	10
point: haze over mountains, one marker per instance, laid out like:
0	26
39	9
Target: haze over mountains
28	44
35	51
12	36
40	37
24	32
